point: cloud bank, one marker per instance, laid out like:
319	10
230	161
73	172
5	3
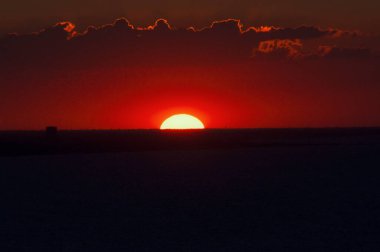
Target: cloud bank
222	40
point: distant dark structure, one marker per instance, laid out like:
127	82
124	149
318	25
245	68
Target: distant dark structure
51	131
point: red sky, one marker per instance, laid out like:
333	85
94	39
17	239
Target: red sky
227	74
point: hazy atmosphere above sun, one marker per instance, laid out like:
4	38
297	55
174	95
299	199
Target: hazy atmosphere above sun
235	64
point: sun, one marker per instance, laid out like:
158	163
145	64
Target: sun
182	121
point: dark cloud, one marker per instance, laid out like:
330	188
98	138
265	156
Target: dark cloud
303	32
336	52
122	43
295	49
26	16
285	48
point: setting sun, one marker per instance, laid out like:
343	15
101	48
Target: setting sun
182	121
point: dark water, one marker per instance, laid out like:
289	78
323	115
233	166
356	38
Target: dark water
268	198
19	143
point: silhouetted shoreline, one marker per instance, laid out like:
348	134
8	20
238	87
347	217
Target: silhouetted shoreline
14	143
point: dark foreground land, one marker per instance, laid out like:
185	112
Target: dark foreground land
216	190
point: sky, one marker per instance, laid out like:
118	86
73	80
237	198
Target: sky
234	64
27	16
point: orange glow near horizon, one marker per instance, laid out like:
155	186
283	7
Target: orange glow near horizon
182	121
